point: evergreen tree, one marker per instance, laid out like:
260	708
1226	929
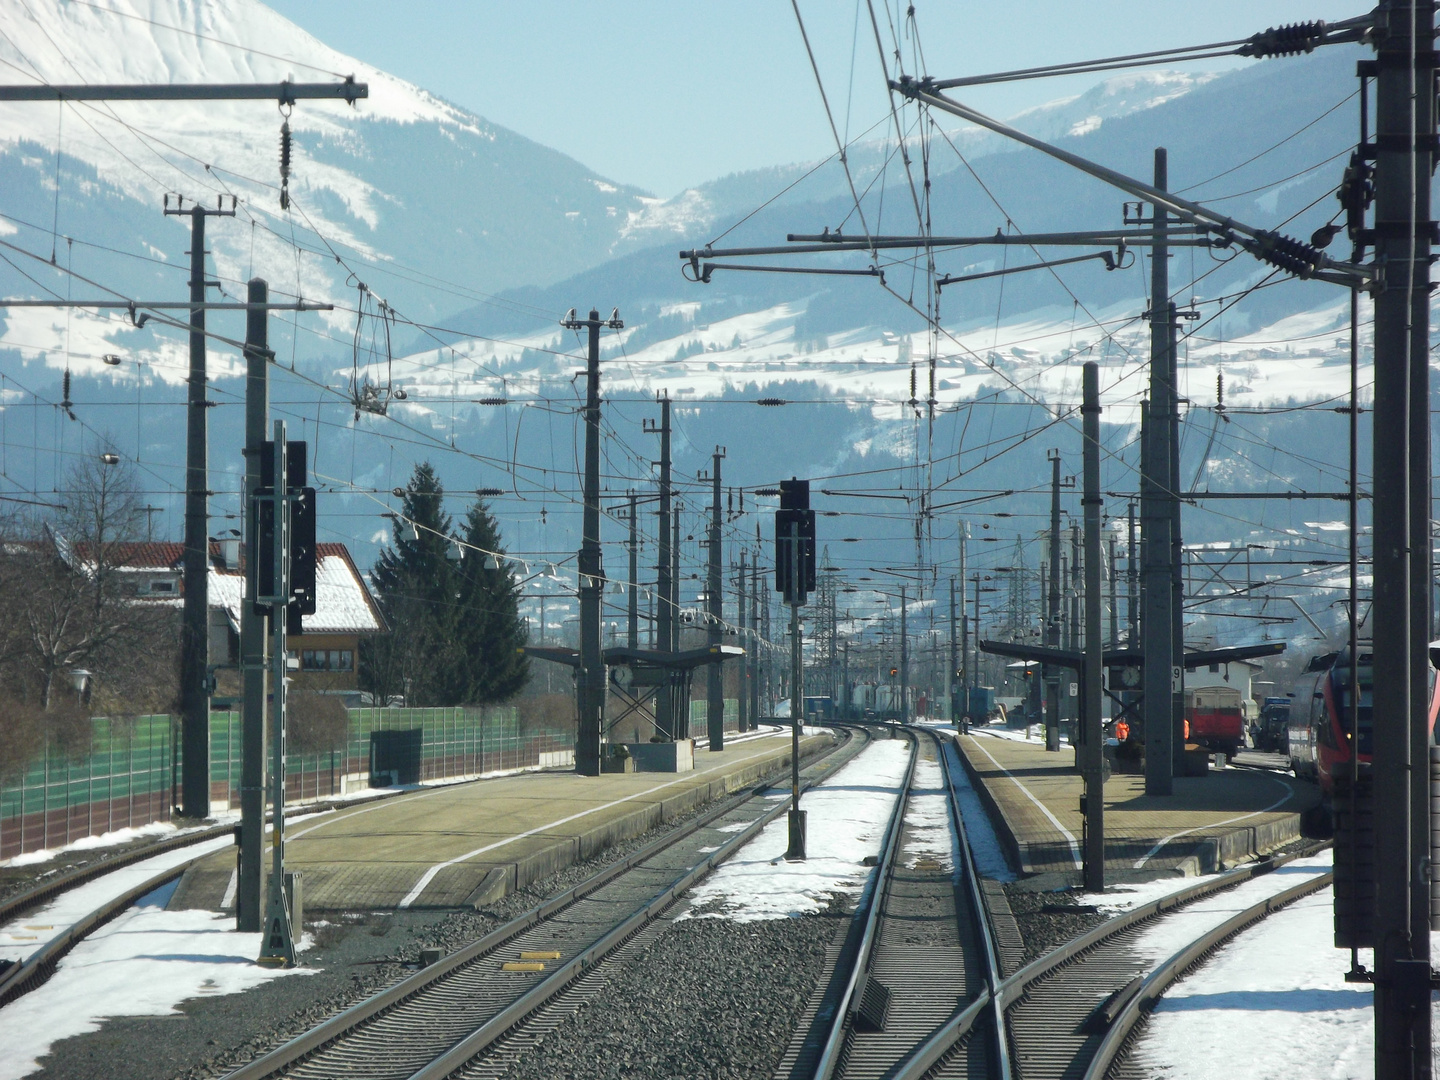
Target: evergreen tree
416	586
491	632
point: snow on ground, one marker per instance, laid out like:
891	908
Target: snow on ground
143	963
1033	734
927	818
1271	1005
23	936
1129	895
1178	929
1132	894
985	846
846	819
155	830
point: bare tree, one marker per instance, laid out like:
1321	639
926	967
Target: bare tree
65	596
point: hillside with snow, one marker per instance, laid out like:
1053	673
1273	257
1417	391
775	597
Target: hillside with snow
444	205
480	239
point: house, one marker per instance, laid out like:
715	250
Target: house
1236	673
328	649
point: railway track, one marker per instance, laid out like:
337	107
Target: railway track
1071	1014
914	990
20	978
523	977
32	972
919	945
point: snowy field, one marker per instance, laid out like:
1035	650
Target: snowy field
846	819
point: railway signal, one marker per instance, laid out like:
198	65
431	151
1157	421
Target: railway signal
794	577
270	585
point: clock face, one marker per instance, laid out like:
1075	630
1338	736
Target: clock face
1131	677
624	675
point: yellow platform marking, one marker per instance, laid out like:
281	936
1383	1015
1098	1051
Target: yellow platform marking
39	928
547	954
515	966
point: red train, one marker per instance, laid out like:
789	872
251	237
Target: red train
1320	713
1214	719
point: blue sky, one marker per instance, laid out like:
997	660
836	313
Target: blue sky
668	93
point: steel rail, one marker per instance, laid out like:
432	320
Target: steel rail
338	1026
34	970
880	883
31	972
453	1058
1149	992
929	1053
987	937
32	898
558	981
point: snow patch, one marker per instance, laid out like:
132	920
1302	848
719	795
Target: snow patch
846	819
1272	1004
143	963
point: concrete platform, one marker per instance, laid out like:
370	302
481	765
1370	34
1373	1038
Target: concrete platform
1209	822
472	843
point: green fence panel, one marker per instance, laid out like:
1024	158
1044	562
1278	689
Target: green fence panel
126	776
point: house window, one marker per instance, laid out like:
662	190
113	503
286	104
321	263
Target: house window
327	660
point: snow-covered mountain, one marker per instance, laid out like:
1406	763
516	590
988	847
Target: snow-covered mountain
697	210
445	206
481	238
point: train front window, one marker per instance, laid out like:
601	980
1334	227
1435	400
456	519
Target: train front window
1342	683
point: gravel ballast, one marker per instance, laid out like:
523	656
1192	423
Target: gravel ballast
709	998
355	955
1048	920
